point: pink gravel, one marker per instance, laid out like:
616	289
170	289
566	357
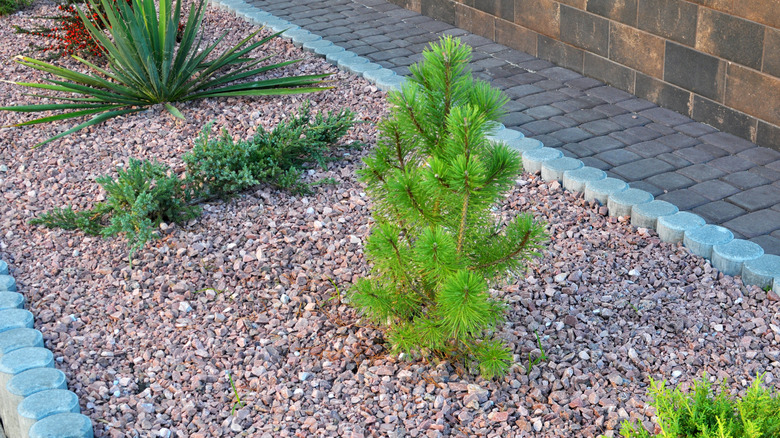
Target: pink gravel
246	289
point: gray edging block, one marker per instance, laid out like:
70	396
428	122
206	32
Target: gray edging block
16	362
361	69
24	385
311	46
646	215
68	425
621	203
346	63
776	285
15	318
11	300
44	404
553	170
3	268
602	189
17	338
701	240
391	83
761	271
729	257
335	58
325	51
533	159
300	36
7	283
374	75
673	228
505	135
524	144
575	180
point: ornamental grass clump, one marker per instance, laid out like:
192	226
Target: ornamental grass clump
436	247
147	66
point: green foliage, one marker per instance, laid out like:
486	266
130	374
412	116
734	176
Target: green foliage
436	245
222	165
148	193
137	201
10	6
702	414
147	66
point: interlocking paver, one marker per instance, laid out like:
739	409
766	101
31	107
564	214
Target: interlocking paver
745	180
701	172
717	212
770	244
649	149
643	168
756	223
684	199
658	150
757	198
670	181
714	189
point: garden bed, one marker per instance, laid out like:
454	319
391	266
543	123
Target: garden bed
246	289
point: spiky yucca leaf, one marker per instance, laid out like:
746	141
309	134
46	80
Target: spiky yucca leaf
147	67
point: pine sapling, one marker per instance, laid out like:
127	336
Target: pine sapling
436	246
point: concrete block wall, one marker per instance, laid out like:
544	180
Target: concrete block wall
716	61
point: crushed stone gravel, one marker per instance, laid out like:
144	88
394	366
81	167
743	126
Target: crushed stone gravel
245	289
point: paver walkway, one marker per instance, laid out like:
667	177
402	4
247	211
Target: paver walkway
725	179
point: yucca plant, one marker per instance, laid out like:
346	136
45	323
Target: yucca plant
437	246
146	67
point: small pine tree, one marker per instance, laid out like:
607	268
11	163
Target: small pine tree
436	245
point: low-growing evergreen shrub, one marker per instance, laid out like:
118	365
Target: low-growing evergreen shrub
148	193
436	246
704	414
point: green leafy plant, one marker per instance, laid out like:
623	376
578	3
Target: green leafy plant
532	362
146	66
10	6
436	245
148	193
703	414
238	403
222	165
137	201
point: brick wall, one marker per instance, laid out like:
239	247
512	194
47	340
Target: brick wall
717	61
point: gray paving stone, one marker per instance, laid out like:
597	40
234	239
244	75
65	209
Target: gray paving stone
636	104
635	135
670	181
757	198
523	90
714	189
630	120
548	84
759	155
730	257
548	141
649	149
755	223
542	127
718	212
766	172
583	83
601	127
595	162
560	74
678	141
564	121
586	115
544	98
745	180
694	155
771	245
684	199
643	168
601	144
673	228
676	161
660	128
543	112
665	116
731	164
728	142
577	150
516	119
617	157
701	240
701	172
610	110
695	129
610	94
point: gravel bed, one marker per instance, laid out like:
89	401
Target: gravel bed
245	289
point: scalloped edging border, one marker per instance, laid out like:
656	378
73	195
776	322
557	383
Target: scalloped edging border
34	400
714	243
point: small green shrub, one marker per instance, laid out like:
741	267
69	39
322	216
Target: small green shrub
148	193
222	165
10	6
436	245
703	414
